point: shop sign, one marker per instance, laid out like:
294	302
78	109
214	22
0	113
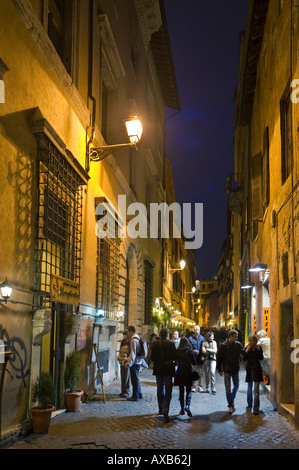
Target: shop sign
64	290
266	320
254	323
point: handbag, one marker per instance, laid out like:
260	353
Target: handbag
194	375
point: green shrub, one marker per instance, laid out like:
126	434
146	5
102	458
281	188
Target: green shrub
43	390
73	373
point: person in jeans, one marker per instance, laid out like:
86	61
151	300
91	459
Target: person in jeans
228	362
253	354
209	350
134	362
195	340
163	356
185	360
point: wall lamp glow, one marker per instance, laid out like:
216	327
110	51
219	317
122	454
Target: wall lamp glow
192	291
99	317
258	268
182	266
247	286
134	130
5	290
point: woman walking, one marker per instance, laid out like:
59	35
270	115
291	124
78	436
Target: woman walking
183	378
209	350
253	354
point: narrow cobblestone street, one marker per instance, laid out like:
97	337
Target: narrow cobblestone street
120	424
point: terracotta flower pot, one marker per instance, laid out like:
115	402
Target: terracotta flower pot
73	400
41	418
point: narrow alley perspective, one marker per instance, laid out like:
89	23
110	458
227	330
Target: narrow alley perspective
149	187
121	424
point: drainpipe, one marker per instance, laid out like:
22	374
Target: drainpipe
90	85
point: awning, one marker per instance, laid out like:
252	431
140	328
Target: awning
181	319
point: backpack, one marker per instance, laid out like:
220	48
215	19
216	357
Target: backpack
142	353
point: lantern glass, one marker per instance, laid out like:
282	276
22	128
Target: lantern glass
6	290
134	129
182	264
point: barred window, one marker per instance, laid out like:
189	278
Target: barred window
108	253
59	222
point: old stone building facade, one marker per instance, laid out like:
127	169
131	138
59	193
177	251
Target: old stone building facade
265	199
72	71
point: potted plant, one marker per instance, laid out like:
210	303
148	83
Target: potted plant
72	379
43	393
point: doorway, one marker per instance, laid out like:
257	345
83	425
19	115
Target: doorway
286	365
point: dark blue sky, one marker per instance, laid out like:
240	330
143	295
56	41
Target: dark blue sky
204	37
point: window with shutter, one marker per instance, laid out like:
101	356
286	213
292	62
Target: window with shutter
266	170
257	187
286	134
60	29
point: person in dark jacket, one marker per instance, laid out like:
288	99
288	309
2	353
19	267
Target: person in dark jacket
183	378
253	354
163	356
196	340
228	362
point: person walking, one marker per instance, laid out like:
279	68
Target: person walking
185	360
163	356
253	354
175	338
209	351
228	362
134	362
263	340
195	340
123	355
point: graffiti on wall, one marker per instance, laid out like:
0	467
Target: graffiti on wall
18	359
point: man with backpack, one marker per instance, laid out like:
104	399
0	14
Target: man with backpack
196	340
134	361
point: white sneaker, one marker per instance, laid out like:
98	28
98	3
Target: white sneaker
193	389
199	389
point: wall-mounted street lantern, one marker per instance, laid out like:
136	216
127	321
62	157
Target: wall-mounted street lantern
262	270
134	130
192	291
257	268
5	290
99	316
182	266
247	286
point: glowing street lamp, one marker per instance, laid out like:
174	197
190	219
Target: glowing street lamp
6	290
134	131
182	266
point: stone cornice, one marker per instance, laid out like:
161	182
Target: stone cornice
149	17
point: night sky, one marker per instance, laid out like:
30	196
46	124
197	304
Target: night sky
204	38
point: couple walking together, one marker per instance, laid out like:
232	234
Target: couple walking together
228	363
165	356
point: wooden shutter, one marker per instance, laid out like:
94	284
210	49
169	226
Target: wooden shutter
257	187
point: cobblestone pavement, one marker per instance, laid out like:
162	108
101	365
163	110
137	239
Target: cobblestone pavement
121	424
